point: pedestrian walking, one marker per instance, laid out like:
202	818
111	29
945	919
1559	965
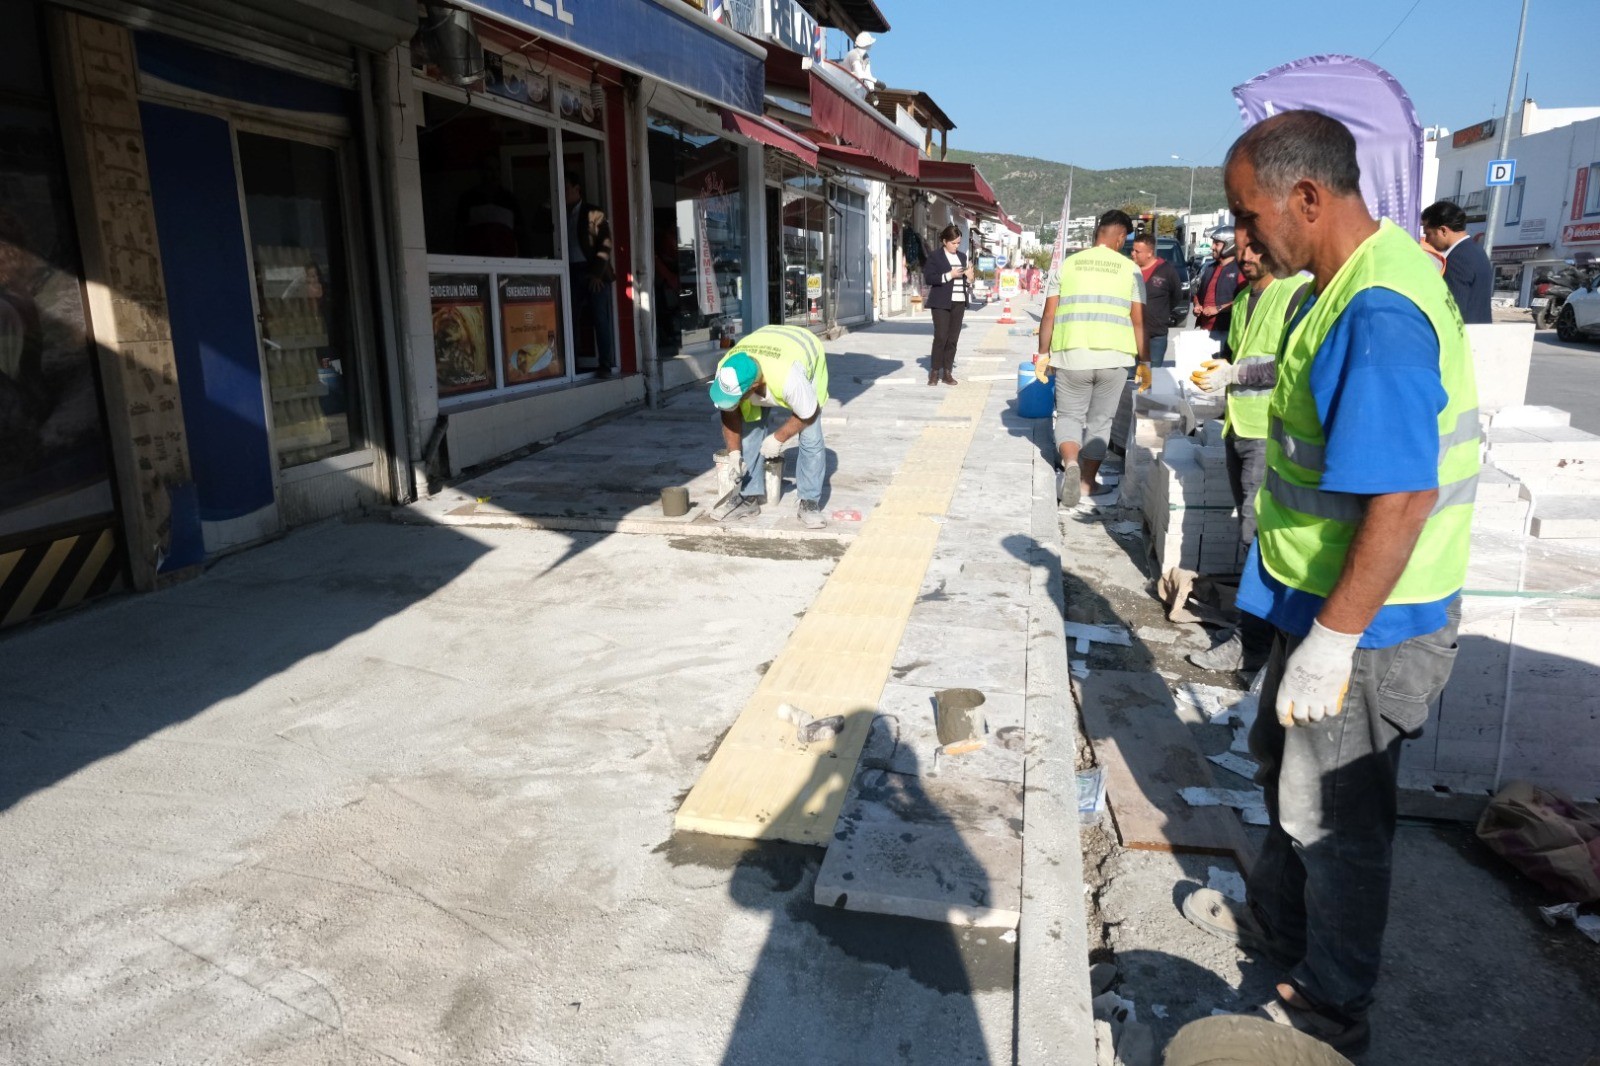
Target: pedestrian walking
1219	280
1096	308
1467	273
1161	287
949	277
1260	325
1363	526
770	388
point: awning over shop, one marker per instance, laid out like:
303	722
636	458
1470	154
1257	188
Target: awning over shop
682	48
959	181
857	161
859	124
772	135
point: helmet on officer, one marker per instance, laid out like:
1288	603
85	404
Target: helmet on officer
1223	235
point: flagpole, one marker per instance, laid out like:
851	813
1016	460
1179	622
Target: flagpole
1505	137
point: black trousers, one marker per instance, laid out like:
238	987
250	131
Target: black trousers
946	331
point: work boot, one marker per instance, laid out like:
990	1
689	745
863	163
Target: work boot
948	378
811	514
743	507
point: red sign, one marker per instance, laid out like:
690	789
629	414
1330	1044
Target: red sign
1581	233
1580	191
1482	131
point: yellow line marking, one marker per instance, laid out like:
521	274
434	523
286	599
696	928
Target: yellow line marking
42	576
98	555
762	783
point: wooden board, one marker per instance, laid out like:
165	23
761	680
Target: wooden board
1148	755
762	783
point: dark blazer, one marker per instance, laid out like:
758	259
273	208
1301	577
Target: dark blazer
933	270
1470	279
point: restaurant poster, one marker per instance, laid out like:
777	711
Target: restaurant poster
461	333
530	329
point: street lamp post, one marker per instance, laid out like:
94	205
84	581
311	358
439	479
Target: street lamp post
1188	215
1155	218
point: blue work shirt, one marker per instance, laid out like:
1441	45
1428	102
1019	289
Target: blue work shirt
1379	393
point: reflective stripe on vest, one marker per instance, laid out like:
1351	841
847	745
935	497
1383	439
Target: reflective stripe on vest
1305	533
776	349
1093	282
1256	337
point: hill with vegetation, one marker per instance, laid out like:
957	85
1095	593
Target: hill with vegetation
1031	189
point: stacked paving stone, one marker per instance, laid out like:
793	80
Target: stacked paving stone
1521	702
1188	505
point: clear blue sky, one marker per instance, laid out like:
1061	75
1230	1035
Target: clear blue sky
1129	84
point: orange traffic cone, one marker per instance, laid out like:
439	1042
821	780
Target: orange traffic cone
1005	314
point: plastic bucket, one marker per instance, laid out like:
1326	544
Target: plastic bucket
1035	398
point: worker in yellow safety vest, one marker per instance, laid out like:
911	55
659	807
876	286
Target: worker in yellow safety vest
1363	525
1260	324
1091	333
770	388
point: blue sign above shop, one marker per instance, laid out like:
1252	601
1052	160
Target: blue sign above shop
677	47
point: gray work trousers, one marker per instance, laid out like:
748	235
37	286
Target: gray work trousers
1247	469
1086	405
1320	887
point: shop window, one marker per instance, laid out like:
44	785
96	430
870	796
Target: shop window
302	296
701	249
488	184
510	285
804	219
54	466
1514	202
1591	202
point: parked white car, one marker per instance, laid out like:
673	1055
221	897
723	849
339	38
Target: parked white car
1579	318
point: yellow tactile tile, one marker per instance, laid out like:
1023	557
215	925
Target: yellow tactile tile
762	783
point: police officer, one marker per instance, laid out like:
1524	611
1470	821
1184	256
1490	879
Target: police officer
1364	521
770	389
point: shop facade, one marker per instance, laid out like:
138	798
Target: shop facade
192	359
577	231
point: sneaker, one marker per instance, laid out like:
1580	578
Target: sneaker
811	514
741	508
1223	658
1069	486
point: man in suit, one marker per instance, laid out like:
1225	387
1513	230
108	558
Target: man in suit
1467	273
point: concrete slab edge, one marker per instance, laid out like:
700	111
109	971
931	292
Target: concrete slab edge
1055	1022
559	524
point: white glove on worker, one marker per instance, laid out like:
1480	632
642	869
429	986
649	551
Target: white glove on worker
1041	368
1214	375
772	447
734	461
1316	676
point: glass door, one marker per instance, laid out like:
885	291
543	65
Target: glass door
296	233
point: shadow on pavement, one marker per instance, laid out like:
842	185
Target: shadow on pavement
90	685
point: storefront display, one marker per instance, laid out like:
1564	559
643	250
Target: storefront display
702	240
461	333
499	226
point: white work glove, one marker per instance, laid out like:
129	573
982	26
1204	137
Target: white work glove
1214	375
1316	676
735	463
1041	368
771	448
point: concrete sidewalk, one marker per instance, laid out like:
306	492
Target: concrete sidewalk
404	793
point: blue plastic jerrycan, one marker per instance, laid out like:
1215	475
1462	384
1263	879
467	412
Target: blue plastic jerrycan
1035	398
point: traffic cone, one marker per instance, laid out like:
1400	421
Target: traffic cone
1005	314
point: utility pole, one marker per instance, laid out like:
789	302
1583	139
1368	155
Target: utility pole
1505	137
1192	165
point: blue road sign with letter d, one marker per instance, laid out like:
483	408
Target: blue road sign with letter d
1501	172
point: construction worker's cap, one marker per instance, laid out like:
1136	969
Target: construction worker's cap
736	376
865	40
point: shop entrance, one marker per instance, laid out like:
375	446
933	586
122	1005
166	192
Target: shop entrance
252	221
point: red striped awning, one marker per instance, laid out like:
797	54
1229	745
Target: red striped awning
771	134
856	123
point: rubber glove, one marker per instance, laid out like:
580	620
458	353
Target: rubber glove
1214	375
771	448
735	463
1143	375
1316	676
1041	368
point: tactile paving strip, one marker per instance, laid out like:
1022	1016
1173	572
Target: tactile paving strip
762	782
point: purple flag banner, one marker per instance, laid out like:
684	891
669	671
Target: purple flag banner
1368	100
